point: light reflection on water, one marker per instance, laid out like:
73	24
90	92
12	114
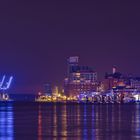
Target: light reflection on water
19	121
6	122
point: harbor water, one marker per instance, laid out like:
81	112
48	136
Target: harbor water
57	121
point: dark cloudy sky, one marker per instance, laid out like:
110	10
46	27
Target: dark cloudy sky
37	36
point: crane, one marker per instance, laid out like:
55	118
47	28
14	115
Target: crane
5	84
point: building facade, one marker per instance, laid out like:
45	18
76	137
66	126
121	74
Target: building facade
114	80
80	79
48	89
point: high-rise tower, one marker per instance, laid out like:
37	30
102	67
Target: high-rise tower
80	79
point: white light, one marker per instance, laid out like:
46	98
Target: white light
136	97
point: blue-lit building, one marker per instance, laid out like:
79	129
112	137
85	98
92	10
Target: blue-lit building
80	79
48	89
135	82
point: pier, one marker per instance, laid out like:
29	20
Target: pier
100	98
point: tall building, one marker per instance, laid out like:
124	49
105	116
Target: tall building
80	79
48	89
55	91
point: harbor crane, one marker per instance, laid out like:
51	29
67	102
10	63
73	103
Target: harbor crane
5	84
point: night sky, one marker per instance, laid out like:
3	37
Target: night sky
37	36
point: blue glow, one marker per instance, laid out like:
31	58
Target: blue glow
6	122
10	81
4	85
1	83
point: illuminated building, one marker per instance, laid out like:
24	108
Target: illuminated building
80	79
135	83
48	89
113	80
121	83
55	92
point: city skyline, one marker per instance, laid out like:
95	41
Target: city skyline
113	70
69	69
36	38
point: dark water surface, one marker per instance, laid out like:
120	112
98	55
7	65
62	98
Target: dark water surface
33	121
